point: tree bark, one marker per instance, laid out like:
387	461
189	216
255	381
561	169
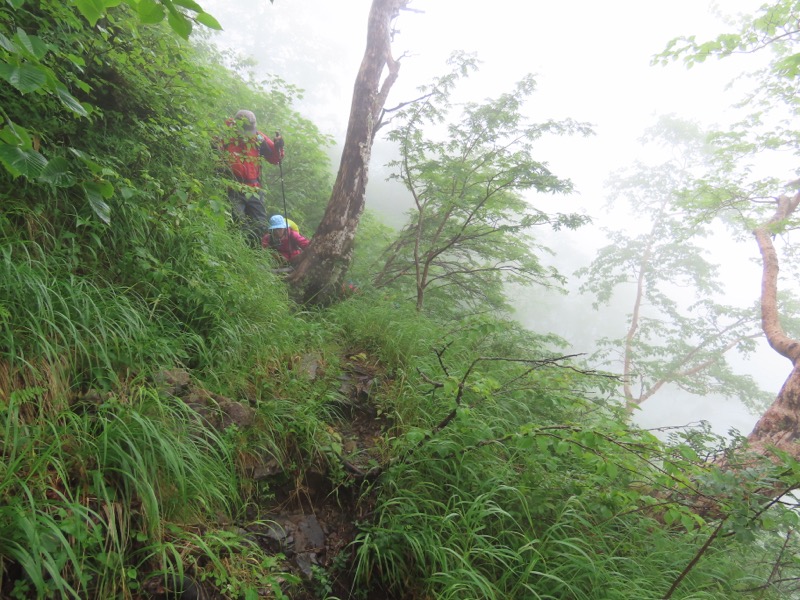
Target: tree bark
627	374
320	270
779	426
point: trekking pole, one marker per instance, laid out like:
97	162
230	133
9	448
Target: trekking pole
283	194
283	190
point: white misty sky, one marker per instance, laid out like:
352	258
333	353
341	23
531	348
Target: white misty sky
592	63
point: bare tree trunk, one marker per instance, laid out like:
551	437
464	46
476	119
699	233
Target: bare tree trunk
779	426
627	371
322	266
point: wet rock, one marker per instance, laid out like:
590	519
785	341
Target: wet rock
266	470
348	387
172	381
310	364
200	402
305	562
273	535
298	536
236	413
173	587
219	412
309	540
308	534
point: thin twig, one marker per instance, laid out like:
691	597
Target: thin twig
703	549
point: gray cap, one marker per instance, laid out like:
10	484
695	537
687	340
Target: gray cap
249	121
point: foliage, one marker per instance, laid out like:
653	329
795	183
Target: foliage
504	470
468	233
49	63
118	262
86	496
507	503
667	341
746	183
141	255
737	186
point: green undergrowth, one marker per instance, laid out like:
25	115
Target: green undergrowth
95	502
505	472
502	468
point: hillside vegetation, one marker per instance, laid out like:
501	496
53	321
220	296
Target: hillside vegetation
168	411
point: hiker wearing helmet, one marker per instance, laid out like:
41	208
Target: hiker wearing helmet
244	148
285	239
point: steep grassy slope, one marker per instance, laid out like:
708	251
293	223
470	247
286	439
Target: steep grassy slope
170	418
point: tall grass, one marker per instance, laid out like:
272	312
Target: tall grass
194	296
392	330
81	494
57	330
534	516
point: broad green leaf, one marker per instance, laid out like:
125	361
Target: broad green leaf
544	443
450	386
70	101
26	78
17	161
525	442
31	44
106	189
150	11
7	44
688	453
56	173
92	10
7	136
179	23
190	4
209	21
671	515
8	155
16	135
93	166
76	60
95	195
16	3
23	41
415	436
40	47
688	522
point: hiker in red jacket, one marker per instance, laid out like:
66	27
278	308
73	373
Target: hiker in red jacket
288	242
244	148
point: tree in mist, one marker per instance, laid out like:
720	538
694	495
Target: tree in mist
469	230
677	330
765	207
323	264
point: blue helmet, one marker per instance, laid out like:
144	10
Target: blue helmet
277	222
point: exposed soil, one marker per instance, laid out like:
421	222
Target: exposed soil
312	519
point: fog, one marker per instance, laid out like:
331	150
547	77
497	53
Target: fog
593	63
